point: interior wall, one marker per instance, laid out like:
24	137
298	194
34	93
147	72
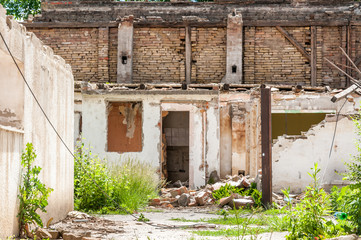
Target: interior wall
176	129
294	123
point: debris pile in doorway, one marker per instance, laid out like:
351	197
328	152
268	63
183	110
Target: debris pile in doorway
184	197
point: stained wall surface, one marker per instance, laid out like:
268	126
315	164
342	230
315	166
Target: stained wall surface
294	156
52	82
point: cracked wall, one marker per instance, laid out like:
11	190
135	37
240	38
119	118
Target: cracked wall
21	121
293	156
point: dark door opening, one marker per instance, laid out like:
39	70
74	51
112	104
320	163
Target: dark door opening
175	146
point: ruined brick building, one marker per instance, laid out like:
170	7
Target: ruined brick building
176	83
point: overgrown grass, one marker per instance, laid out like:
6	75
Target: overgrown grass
134	183
100	189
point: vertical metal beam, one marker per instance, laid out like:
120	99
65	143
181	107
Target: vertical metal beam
313	56
188	61
266	146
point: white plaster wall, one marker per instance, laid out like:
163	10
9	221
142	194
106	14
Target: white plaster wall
52	82
11	144
11	91
95	128
292	160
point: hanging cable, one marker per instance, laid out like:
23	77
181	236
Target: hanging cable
65	145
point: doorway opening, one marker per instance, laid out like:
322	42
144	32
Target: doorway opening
175	146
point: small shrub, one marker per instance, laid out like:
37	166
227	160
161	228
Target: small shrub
308	221
134	183
90	175
225	191
33	194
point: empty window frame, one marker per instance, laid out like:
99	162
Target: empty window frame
125	127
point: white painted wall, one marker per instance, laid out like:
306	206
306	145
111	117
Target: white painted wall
52	82
293	159
95	128
11	145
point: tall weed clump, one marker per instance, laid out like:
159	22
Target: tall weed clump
307	220
134	183
350	196
91	177
98	188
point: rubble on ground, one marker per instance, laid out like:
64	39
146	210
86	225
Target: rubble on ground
181	196
81	226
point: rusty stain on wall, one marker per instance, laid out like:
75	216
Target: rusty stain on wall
125	127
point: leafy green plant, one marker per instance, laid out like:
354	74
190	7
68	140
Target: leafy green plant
33	194
129	185
21	9
225	191
91	175
351	194
255	194
308	219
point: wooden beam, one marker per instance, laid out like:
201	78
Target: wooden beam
266	141
313	56
294	42
344	93
188	62
180	24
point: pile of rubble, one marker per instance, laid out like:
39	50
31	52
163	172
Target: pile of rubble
183	197
80	226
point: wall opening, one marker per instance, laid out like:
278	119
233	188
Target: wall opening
125	127
294	123
175	146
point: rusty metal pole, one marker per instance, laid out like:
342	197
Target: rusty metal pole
266	131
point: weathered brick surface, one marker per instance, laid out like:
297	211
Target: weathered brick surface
329	39
158	55
208	54
271	58
113	47
79	48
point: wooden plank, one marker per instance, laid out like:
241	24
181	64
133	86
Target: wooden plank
266	141
188	62
313	56
344	93
180	24
294	42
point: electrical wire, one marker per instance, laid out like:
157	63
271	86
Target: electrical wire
333	140
63	142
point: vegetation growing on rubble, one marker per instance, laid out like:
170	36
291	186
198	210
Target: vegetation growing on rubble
228	189
33	194
348	198
126	187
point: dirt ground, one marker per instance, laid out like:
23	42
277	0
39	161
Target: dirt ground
165	228
160	225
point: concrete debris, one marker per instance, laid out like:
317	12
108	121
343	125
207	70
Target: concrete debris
184	197
81	226
42	234
213	177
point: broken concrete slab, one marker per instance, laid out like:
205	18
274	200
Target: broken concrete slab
42	233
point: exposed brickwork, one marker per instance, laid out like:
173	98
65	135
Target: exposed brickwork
270	58
208	54
113	46
103	54
158	55
78	46
356	47
330	39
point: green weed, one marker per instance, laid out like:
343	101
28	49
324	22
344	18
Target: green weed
33	194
